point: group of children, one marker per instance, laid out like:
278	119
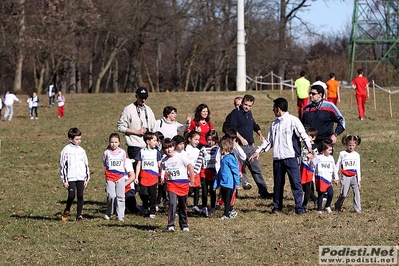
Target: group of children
322	170
33	104
178	167
175	166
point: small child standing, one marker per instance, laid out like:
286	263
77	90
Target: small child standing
207	161
228	177
161	187
349	167
74	172
307	171
148	166
325	172
116	168
192	142
176	165
30	104
61	103
35	105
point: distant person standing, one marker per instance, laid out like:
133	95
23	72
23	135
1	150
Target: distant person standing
61	103
136	119
361	85
1	106
35	105
51	94
302	91
333	90
9	99
318	81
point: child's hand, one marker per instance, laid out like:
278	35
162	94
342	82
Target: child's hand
336	182
161	181
191	183
358	184
85	184
66	185
136	181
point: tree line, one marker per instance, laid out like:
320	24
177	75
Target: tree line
188	45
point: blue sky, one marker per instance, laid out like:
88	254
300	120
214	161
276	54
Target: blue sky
330	15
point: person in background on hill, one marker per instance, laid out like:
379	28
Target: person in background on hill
30	104
148	166
136	119
176	165
9	99
168	124
192	140
201	123
51	94
349	168
209	162
284	136
241	120
361	85
333	94
61	104
322	115
228	177
74	172
324	172
318	81
116	168
35	105
302	92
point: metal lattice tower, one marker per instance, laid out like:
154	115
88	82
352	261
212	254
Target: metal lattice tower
374	42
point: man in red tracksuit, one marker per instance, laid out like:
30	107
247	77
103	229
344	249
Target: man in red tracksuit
361	85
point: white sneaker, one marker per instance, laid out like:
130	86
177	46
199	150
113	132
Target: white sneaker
328	210
121	220
196	209
320	212
106	217
233	214
152	216
171	229
31	117
186	229
37	118
224	218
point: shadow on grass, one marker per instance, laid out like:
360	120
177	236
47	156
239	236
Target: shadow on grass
137	226
86	202
36	217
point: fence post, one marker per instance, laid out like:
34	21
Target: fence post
375	100
292	89
390	103
271	74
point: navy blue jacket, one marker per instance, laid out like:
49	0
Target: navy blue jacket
322	116
243	123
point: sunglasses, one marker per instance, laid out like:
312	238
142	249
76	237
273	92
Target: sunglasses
313	93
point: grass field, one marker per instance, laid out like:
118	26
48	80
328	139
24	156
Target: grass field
32	196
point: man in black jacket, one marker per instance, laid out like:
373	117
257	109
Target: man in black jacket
241	120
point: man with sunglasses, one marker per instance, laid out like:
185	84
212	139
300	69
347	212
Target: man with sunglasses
136	119
322	115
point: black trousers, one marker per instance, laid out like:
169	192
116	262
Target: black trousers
75	187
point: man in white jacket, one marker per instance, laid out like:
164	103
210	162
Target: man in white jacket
9	99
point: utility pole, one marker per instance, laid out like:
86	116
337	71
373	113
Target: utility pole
241	67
